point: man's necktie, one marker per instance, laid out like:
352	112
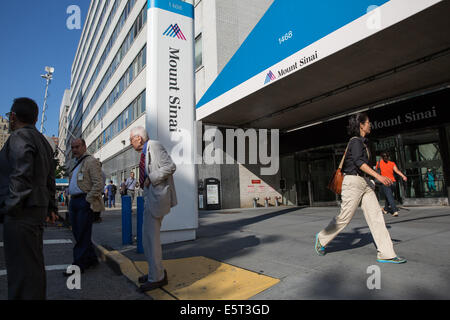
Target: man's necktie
142	170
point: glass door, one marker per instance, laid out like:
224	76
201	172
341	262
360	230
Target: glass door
423	163
321	168
302	179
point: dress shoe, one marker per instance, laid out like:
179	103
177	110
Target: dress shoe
143	279
153	285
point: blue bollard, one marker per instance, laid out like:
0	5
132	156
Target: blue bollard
140	221
126	221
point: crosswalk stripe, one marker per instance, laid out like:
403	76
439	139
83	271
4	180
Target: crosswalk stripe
47	268
53	241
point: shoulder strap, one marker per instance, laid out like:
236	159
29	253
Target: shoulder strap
343	157
79	161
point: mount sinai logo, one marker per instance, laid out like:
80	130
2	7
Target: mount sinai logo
174	31
270	77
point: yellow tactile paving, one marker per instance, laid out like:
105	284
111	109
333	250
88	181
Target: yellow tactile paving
200	278
130	270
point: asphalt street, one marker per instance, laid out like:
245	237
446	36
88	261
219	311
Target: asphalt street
100	283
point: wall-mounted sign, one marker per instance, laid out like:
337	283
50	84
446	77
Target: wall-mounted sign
212	194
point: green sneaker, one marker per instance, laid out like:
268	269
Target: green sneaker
318	247
396	260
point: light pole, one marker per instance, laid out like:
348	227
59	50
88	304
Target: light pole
48	76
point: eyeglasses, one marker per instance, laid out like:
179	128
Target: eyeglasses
132	138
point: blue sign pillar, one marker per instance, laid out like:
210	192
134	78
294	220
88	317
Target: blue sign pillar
126	221
140	221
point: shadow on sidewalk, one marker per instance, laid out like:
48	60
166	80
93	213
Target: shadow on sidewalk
235	225
349	240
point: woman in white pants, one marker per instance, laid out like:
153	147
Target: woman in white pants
357	187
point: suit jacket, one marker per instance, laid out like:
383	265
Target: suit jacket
160	196
27	173
92	182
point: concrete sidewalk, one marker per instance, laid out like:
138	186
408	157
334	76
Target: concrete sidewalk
279	243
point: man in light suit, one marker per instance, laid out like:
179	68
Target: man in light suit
156	170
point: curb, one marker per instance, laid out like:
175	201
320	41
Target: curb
120	264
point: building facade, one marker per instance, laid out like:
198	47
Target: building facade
62	127
298	67
4	135
108	75
306	67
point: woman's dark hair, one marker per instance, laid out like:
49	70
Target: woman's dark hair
353	123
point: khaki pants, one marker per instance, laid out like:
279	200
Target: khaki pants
356	190
151	241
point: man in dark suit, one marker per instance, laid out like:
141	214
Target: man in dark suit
27	196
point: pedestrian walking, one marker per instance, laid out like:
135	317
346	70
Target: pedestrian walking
358	188
156	170
85	189
430	178
130	185
111	192
27	196
387	169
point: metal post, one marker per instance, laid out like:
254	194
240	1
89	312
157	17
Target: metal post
126	221
140	222
48	76
45	106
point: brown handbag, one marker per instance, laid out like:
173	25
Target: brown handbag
335	183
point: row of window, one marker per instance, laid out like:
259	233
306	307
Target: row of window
129	39
99	43
110	44
132	72
123	121
112	40
83	37
79	65
198	52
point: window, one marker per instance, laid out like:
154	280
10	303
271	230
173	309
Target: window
198	52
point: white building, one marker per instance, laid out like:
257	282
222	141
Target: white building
4	134
300	67
62	127
108	75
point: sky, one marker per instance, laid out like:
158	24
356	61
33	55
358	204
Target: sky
34	35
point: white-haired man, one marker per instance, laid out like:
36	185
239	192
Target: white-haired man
156	170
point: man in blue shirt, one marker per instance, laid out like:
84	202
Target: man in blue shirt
111	192
130	184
